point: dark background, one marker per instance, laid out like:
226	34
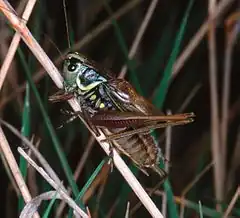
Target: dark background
190	145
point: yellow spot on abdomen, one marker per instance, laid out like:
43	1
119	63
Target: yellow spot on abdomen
93	97
101	105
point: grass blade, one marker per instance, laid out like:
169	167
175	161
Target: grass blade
26	132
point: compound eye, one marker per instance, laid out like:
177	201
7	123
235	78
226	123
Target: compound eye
72	67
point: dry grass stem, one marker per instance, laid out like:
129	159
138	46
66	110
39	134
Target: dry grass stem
189	98
104	25
77	172
33	205
127	210
56	77
112	208
32	179
56	186
234	164
9	173
197	178
168	157
37	154
139	35
15	42
196	39
191	184
232	203
215	131
231	36
14	168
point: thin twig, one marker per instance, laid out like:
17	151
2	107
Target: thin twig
15	42
56	77
232	203
37	154
196	179
189	98
112	208
9	173
51	182
14	168
139	35
138	205
191	184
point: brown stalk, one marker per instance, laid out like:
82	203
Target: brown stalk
231	37
215	136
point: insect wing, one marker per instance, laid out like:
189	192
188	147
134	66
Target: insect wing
127	99
116	119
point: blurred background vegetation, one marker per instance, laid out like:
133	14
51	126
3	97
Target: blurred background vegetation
107	39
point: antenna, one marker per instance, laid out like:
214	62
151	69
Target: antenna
66	19
54	44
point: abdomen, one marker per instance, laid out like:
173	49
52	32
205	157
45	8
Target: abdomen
141	148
